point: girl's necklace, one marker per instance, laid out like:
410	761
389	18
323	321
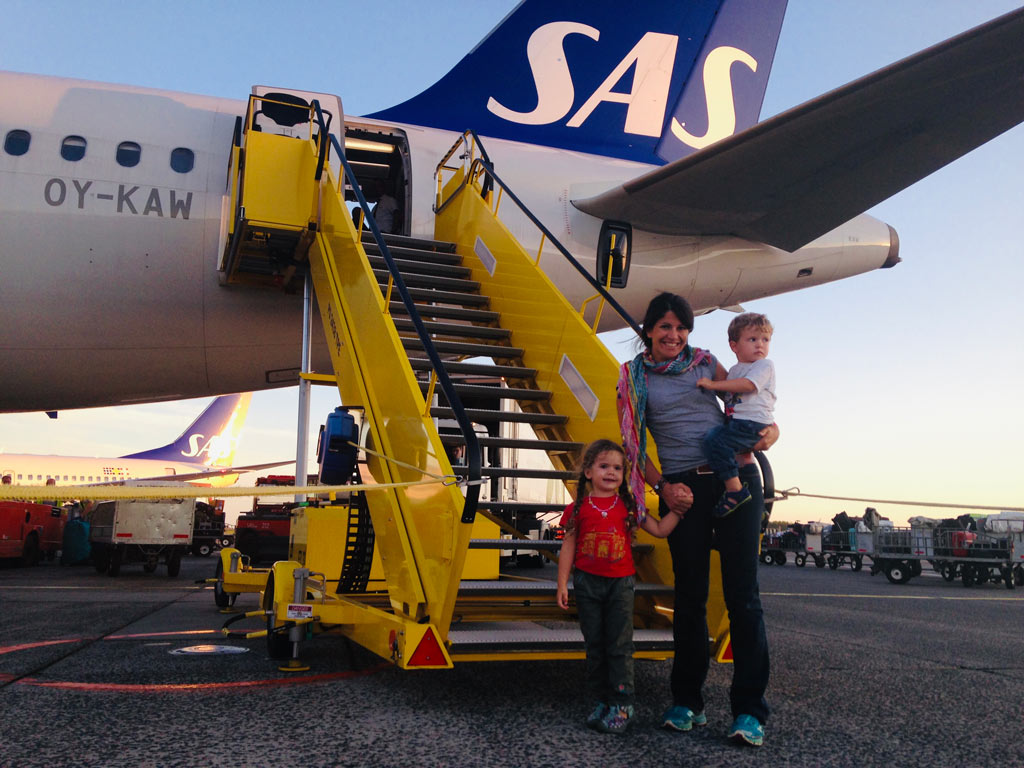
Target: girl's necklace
604	512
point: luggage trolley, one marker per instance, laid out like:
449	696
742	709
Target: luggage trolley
973	557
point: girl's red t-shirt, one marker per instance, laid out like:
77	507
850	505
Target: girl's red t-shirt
603	539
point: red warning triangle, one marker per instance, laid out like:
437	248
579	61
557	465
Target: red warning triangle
428	653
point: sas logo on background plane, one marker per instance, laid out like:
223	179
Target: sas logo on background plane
217	447
652	60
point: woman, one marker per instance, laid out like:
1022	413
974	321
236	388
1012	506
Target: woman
658	391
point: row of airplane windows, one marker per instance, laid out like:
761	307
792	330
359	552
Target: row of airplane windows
73	478
72	149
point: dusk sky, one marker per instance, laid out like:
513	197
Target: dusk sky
891	385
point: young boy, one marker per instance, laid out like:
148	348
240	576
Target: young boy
749	394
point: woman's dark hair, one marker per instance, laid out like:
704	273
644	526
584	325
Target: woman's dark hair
661	305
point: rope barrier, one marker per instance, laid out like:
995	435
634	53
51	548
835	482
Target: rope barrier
795	491
104	492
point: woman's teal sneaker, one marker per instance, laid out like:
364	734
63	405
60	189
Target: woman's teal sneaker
679	718
595	717
747	730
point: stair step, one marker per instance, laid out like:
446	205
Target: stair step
444	297
412	243
464	638
552	545
397	308
455	329
520	506
466	348
512	393
411	266
427	281
539	474
511	442
486	416
478	369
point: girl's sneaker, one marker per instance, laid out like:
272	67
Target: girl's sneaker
617	719
595	717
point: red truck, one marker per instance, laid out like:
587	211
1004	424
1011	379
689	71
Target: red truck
28	530
263	534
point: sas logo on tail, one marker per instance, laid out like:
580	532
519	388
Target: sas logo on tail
216	448
647	101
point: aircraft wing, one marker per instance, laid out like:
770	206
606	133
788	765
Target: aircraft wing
802	173
210	473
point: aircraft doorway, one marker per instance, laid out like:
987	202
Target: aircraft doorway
379	157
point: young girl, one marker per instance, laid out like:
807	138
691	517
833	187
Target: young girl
598	539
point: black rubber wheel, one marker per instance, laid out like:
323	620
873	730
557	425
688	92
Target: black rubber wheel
149	566
30	554
278	645
202	550
1007	574
898	573
819	561
833	562
948	571
779	557
174	562
857	562
766	558
114	563
915	567
967	575
220	597
100	558
1018	575
800	560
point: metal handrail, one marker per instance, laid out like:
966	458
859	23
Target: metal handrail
473	461
482	165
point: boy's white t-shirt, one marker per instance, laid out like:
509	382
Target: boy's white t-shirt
756	406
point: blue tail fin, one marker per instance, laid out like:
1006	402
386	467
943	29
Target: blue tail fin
211	439
646	81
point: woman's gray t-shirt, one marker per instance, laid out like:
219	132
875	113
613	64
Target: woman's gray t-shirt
679	414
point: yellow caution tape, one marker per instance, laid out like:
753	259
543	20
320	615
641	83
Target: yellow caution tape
103	492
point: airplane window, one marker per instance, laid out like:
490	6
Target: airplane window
17	142
72	148
182	159
128	154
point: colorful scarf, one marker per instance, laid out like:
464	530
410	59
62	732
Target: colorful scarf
633	413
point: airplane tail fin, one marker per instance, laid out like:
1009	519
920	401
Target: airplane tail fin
211	439
652	82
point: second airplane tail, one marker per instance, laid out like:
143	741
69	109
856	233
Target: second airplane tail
653	82
211	439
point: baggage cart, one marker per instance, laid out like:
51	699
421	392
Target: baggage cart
973	557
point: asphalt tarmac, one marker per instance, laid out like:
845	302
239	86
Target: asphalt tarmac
864	673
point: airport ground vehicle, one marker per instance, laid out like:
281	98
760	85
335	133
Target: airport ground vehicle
208	530
30	531
262	534
973	557
801	541
850	546
136	531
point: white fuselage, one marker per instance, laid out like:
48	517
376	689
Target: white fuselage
109	286
31	469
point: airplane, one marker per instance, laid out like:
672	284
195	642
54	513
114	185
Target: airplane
202	454
113	198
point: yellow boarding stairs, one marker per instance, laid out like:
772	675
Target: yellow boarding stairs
407	322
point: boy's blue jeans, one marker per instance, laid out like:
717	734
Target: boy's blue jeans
722	443
605	607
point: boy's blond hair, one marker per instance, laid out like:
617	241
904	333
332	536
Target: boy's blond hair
741	322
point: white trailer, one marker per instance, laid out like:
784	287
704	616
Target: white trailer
136	531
